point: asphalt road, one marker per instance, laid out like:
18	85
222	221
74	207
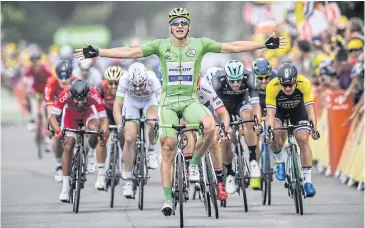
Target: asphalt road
30	199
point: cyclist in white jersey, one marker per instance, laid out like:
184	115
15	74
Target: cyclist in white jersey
136	91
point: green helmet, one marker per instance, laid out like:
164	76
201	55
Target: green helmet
179	12
234	70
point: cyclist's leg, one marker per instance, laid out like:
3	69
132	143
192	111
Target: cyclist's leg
251	141
57	149
168	146
68	145
216	155
150	110
302	138
193	113
190	144
130	110
278	143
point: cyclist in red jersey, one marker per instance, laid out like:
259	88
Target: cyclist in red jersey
80	100
108	89
53	89
35	78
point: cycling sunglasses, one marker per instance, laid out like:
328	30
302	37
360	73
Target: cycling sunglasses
113	83
262	77
291	84
179	21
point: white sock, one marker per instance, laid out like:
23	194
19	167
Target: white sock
307	173
278	157
101	168
128	175
58	162
66	181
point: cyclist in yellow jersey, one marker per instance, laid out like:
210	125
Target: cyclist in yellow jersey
289	96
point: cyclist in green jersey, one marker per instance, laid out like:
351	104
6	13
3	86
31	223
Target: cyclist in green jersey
180	58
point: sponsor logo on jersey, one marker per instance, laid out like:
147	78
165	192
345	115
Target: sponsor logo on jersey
64	97
180	69
95	97
191	53
205	90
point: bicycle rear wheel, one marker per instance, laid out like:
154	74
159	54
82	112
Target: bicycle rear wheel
180	188
113	178
212	186
241	165
224	202
141	177
263	175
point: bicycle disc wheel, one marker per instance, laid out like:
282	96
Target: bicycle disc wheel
298	186
241	165
212	187
205	195
113	178
180	189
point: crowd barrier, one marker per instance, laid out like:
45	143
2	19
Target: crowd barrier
340	150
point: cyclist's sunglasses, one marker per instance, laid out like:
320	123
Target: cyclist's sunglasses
179	21
139	86
262	77
113	83
291	84
77	100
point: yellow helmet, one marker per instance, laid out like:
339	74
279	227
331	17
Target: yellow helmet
355	44
179	12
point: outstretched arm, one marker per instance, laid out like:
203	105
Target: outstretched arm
272	42
241	46
122	52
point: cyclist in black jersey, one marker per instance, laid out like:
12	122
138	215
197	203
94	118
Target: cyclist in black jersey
235	87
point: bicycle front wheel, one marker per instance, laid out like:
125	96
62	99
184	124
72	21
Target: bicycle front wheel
113	179
78	181
298	184
241	165
141	174
212	186
180	188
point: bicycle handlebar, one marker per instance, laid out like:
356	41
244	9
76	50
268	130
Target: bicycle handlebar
308	124
238	122
140	120
82	132
184	127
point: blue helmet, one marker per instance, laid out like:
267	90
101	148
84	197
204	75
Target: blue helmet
261	67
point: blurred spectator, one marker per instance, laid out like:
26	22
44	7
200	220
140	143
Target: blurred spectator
87	72
357	85
354	29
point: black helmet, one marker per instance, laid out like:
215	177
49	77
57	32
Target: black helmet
64	69
287	73
79	89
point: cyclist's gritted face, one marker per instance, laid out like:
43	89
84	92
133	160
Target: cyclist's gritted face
235	84
288	88
113	86
80	102
63	82
263	80
180	27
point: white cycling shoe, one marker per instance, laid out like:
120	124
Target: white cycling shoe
128	189
64	195
100	182
152	161
194	174
231	186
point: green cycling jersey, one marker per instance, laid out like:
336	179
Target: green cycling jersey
180	66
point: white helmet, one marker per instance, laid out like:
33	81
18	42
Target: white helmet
66	52
210	72
85	64
113	73
137	73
